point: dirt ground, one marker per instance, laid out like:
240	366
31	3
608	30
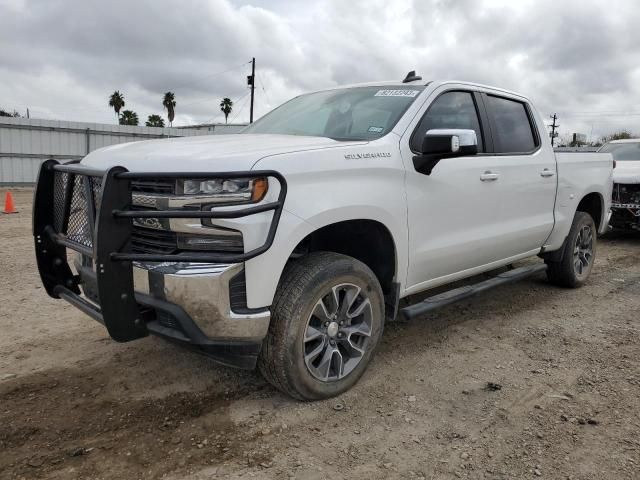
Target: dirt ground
565	404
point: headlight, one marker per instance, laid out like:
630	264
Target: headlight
237	190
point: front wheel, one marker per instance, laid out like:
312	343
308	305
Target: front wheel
326	321
578	256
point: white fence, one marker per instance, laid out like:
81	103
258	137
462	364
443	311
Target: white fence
26	143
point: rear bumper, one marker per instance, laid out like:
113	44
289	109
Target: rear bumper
195	299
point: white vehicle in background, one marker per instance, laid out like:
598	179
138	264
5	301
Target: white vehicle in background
626	183
290	245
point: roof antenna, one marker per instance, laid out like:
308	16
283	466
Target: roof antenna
411	77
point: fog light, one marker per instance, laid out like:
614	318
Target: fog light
223	241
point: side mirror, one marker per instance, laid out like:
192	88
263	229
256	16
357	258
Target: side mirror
443	143
450	142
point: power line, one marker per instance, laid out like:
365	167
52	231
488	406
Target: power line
209	76
265	92
234	102
593	111
200	99
240	109
602	114
96	108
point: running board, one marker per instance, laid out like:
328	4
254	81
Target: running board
461	293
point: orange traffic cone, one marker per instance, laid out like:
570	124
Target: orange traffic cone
9	207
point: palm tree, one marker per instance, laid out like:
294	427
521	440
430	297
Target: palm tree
226	105
155	121
169	102
116	101
129	117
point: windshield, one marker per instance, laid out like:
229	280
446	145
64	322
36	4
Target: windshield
623	151
361	113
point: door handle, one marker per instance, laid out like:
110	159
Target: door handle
547	173
489	176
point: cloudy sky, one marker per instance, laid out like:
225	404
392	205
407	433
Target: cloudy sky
62	58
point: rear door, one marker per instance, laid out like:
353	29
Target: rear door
527	174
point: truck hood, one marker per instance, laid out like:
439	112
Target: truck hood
206	153
627	172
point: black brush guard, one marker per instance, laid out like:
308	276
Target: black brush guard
89	211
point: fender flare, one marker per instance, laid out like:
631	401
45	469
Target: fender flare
264	272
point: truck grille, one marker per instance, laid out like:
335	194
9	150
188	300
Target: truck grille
59	200
150	240
154	185
626	194
75	198
76	201
71	212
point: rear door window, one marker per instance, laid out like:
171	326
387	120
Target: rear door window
512	128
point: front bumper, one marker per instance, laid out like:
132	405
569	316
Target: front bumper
625	206
191	304
195	299
625	216
204	292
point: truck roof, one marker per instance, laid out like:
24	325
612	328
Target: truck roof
399	83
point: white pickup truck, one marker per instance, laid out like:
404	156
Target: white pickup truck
625	208
289	245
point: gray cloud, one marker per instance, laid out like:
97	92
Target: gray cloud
63	58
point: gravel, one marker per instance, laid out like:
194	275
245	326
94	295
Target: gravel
148	409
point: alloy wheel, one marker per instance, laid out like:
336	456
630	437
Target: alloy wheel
583	250
338	332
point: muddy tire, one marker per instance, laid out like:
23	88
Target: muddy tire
578	255
326	321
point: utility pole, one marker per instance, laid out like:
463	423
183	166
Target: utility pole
252	83
553	126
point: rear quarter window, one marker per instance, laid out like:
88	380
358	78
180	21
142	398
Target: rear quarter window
512	127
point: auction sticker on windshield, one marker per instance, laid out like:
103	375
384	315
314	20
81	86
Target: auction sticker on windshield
396	93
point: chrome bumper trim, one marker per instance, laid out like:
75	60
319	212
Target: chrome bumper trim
202	290
625	205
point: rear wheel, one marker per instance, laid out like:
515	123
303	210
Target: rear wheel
326	322
578	256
